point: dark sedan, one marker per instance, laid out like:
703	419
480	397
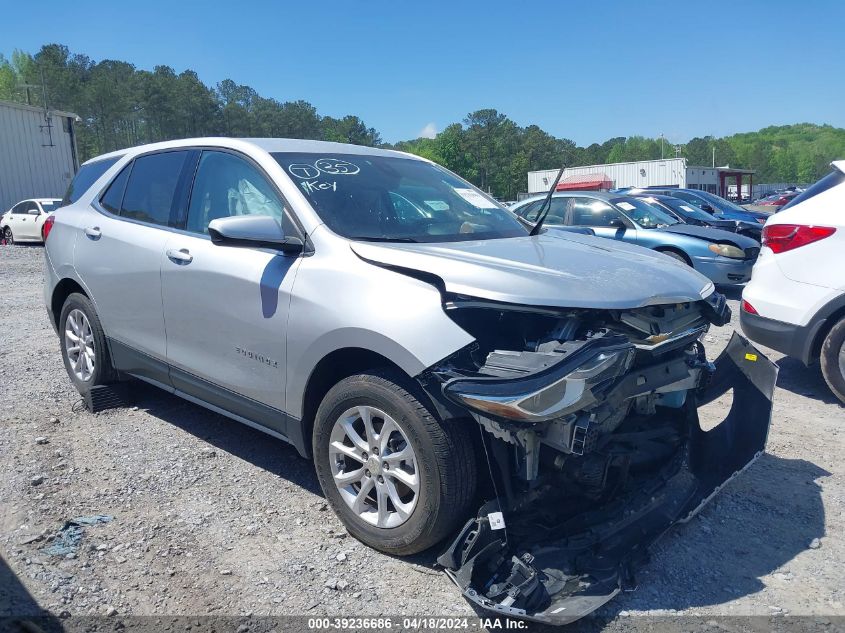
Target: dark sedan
691	214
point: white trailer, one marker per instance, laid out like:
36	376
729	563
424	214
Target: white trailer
38	155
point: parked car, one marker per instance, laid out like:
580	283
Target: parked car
777	201
795	302
411	355
725	258
24	221
691	214
711	203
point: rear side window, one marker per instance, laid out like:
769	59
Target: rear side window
834	178
113	197
87	175
151	188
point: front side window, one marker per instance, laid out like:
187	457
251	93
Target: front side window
389	198
646	214
87	175
151	189
589	212
227	185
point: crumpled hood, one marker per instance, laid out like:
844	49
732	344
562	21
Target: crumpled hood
711	234
552	269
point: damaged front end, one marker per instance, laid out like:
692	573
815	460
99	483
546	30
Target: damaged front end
590	426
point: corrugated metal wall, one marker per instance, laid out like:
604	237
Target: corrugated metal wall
28	167
644	173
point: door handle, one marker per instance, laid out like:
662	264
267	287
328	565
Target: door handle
182	256
93	232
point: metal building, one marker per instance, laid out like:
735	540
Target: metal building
38	155
669	172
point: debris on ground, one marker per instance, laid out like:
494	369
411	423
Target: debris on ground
68	539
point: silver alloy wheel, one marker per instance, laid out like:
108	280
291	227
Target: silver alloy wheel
79	344
10	237
374	466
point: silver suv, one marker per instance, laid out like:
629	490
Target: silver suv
533	396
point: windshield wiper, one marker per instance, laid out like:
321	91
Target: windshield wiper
381	238
547	204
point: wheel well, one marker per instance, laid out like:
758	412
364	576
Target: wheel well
329	371
670	249
61	292
824	330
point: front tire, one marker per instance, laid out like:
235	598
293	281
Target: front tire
9	236
675	255
832	360
84	352
399	479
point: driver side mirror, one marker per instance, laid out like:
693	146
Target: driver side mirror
252	231
33	212
707	207
616	223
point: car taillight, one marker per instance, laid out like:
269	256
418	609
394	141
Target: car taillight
47	227
747	307
785	237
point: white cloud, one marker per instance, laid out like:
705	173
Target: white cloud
429	131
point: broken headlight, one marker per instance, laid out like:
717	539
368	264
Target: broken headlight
572	384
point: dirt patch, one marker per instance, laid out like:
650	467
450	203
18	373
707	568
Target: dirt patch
211	517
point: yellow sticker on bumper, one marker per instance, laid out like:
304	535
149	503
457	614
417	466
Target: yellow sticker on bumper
750	356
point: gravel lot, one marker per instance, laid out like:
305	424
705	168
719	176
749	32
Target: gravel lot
210	517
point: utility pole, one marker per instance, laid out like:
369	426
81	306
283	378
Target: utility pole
714	157
661	146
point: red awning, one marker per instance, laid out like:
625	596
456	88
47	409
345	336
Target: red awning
586	182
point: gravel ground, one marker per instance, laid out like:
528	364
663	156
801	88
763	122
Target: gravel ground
210	517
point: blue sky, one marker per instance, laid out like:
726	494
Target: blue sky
582	70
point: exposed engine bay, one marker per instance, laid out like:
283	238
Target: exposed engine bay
589	422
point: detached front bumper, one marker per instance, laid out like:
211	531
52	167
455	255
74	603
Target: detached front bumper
516	563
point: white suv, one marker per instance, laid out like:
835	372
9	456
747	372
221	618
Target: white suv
795	301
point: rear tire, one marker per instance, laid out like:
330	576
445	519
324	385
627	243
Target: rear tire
84	351
440	463
832	359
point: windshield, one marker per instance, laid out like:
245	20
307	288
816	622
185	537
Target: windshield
387	198
687	210
50	206
644	213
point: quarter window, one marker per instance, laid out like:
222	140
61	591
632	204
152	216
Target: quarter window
151	188
227	185
87	175
113	197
